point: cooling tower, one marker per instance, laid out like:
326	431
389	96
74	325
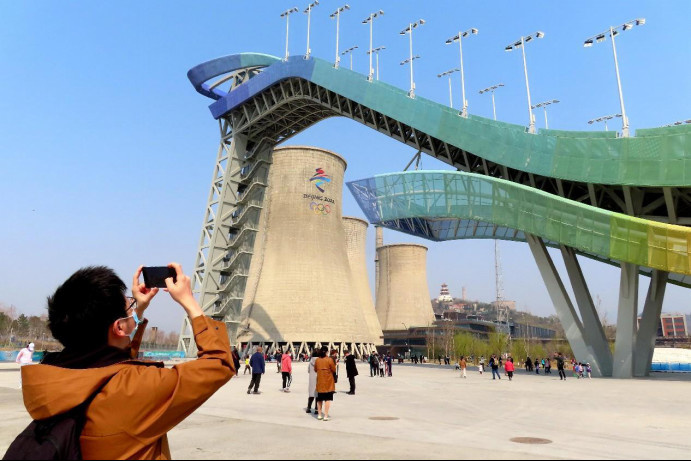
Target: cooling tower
403	299
300	289
356	246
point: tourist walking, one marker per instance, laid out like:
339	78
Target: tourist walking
326	384
494	365
481	366
287	371
373	365
351	371
278	357
560	366
25	357
258	365
389	363
312	382
382	364
247	365
509	367
528	364
537	366
548	366
588	370
463	364
236	359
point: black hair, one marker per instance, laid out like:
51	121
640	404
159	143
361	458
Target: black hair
82	309
324	351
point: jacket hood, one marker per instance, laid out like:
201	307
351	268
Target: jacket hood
49	390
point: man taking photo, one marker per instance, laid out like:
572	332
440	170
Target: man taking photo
138	402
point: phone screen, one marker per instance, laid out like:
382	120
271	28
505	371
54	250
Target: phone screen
155	277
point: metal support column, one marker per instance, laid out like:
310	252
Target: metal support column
626	321
594	334
215	239
647	330
560	298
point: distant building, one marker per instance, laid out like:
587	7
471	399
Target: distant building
510	304
521	330
444	296
671	325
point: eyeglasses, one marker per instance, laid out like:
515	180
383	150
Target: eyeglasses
131	303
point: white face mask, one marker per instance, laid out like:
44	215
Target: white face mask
137	322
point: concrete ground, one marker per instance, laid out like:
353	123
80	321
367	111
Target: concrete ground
427	412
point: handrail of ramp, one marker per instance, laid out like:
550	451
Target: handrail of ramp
450	205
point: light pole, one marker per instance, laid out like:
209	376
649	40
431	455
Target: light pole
337	14
604	118
409	30
449	73
376	51
308	12
680	122
612	32
544	107
521	43
459	38
491	89
350	51
286	14
370	19
411	92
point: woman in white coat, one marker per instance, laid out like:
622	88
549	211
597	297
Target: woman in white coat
25	358
312	384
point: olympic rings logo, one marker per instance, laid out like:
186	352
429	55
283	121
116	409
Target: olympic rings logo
320	208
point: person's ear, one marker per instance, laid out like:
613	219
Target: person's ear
118	330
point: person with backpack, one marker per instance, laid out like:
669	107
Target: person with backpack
494	365
560	367
92	400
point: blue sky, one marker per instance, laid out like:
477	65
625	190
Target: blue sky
106	151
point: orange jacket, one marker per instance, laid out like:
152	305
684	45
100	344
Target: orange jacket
130	417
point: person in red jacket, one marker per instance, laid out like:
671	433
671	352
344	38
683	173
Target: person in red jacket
509	368
287	370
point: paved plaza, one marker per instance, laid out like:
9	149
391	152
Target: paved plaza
427	411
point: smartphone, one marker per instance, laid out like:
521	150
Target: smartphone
155	277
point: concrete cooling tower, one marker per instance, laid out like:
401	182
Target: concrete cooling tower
403	299
356	245
300	291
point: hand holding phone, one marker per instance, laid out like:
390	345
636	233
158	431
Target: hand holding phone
155	277
180	289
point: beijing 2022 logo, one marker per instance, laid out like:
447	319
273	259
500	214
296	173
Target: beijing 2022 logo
320	178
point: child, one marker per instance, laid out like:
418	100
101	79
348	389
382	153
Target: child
509	368
588	370
247	365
